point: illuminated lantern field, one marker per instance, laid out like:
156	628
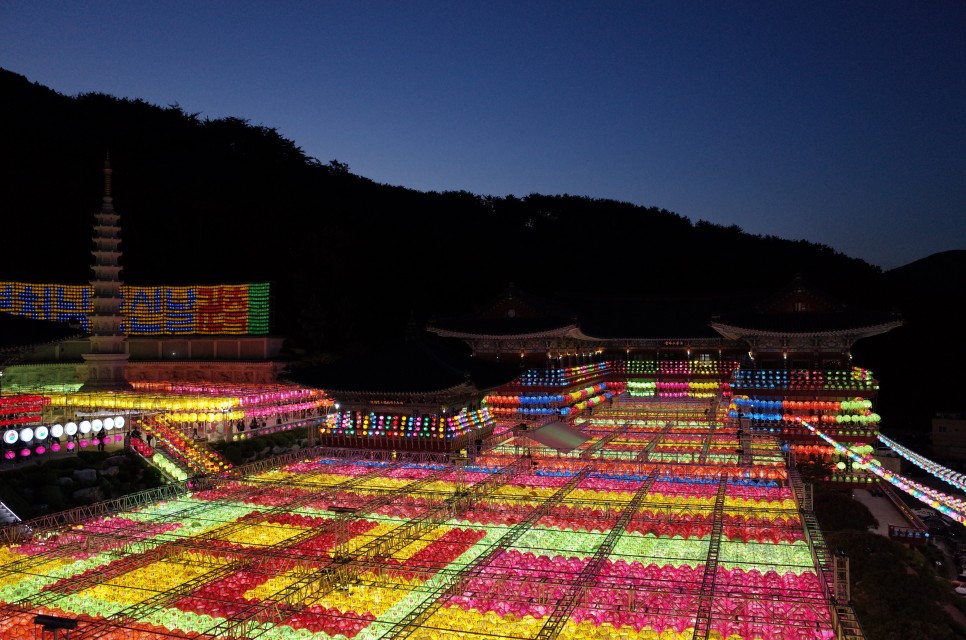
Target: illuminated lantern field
651	528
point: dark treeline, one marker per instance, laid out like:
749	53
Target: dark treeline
351	260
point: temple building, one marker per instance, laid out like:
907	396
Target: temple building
524	359
121	334
189	363
419	392
783	360
534	469
799	368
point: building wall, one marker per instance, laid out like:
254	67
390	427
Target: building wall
228	360
157	348
36	376
949	436
891	463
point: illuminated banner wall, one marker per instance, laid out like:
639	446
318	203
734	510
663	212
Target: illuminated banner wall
199	309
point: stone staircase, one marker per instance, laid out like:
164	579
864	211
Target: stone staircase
196	458
7	516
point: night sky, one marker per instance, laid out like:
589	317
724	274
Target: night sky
842	123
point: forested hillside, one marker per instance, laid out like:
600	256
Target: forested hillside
350	260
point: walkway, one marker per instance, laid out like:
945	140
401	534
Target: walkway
883	509
886	513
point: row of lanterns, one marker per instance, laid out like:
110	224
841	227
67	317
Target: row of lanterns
858	404
42	432
40	449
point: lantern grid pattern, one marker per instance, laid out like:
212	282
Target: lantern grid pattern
620	538
229	309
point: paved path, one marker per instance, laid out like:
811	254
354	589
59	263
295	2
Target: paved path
886	513
883	510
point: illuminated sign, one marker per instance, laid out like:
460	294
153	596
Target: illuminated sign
239	309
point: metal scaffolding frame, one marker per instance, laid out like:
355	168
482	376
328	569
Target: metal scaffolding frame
65	519
458	582
846	623
702	627
322	558
577	591
602	442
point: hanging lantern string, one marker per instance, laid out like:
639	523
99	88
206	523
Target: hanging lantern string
945	474
944	503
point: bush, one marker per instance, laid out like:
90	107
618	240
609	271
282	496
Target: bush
895	590
53	497
234	454
837	511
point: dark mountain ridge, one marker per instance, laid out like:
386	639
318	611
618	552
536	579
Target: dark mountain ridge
351	260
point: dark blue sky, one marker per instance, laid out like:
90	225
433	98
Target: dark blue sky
839	122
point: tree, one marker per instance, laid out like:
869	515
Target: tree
837	511
338	167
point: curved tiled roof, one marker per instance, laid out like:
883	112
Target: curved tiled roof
502	327
421	363
848	321
799	308
512	313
